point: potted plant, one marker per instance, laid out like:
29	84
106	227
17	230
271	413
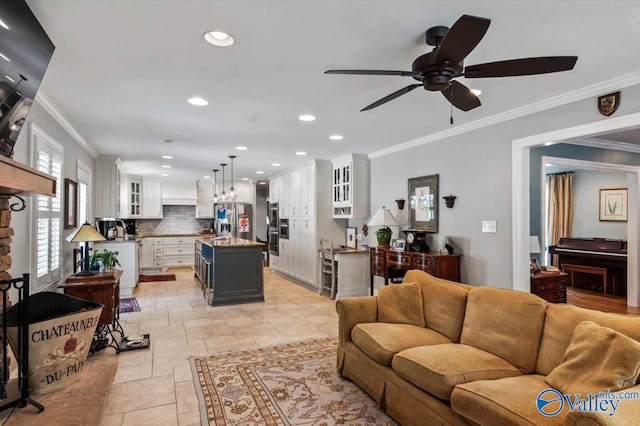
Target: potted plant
107	259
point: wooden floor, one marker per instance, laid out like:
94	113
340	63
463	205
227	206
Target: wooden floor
595	300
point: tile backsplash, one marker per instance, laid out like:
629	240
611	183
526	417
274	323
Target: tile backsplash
175	220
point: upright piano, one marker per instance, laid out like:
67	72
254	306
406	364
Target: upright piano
599	252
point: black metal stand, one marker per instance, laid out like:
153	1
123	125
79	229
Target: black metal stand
104	337
6	388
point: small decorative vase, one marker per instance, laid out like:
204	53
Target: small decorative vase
384	236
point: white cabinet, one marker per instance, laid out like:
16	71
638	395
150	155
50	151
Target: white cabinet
151	199
108	187
204	206
307	192
294	193
178	251
244	192
128	258
350	187
146	258
284	196
284	263
131	197
274	187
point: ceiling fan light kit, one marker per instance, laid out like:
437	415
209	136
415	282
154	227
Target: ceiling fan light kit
437	70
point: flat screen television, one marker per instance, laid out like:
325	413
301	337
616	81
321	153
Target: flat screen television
25	51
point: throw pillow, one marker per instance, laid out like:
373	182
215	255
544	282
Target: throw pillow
401	304
597	359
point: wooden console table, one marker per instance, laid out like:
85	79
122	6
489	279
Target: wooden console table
392	264
552	287
103	288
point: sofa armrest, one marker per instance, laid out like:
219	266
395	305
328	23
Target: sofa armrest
627	412
353	311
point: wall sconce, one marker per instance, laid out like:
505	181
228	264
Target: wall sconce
400	203
449	200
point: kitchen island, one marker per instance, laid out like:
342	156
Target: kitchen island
232	271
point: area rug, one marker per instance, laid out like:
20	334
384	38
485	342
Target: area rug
288	384
129	305
156	277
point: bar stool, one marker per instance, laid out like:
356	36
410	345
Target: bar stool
329	268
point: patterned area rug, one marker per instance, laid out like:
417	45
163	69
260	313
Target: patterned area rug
129	305
156	277
289	384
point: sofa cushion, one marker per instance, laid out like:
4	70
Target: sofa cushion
401	304
597	359
509	401
506	323
443	302
438	369
560	322
381	341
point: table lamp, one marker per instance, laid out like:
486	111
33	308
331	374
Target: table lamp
534	247
85	234
384	218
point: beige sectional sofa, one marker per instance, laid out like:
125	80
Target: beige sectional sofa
435	352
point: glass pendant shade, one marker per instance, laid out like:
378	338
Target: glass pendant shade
232	190
223	196
215	185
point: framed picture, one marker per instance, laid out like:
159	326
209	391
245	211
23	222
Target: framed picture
352	241
70	204
423	203
613	204
399	245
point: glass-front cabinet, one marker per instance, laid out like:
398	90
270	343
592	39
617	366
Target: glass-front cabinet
350	187
135	197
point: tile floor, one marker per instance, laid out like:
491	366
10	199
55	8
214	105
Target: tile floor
155	386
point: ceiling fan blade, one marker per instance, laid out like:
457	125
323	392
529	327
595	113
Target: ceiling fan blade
462	38
524	66
391	96
460	96
375	72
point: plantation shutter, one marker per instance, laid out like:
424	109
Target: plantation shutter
49	214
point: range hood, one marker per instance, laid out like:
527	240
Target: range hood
179	201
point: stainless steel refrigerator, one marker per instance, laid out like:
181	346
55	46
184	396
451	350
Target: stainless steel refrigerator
235	219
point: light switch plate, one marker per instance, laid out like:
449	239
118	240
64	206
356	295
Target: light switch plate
489	226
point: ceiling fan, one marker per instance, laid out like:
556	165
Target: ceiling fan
437	69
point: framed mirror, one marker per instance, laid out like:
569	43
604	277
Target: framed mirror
423	203
70	204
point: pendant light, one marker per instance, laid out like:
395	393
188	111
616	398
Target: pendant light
223	196
215	185
232	190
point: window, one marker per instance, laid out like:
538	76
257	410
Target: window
84	188
47	158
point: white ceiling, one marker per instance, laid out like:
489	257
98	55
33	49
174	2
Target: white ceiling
123	70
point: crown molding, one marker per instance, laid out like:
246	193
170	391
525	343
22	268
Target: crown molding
605	144
53	110
576	95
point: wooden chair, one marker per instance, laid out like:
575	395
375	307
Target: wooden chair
329	268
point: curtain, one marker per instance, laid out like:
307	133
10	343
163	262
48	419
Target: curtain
560	202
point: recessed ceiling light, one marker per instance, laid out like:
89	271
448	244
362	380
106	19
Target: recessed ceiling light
259	172
5	58
164	174
476	92
10	79
301	153
168	141
241	148
306	117
218	38
245	178
206	177
166	166
198	101
167	157
262	182
335	137
276	164
3	25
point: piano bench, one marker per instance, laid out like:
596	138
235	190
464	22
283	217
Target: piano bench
605	273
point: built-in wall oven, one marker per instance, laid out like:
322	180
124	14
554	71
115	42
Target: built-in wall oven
284	229
273	229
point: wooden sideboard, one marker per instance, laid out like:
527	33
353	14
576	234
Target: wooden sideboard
103	288
392	264
552	287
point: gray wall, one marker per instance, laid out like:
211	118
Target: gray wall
476	167
262	195
21	221
586	219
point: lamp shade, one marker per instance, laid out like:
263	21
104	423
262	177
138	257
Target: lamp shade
86	233
534	244
383	217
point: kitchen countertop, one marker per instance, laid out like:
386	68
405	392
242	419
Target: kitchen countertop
170	235
231	242
131	239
